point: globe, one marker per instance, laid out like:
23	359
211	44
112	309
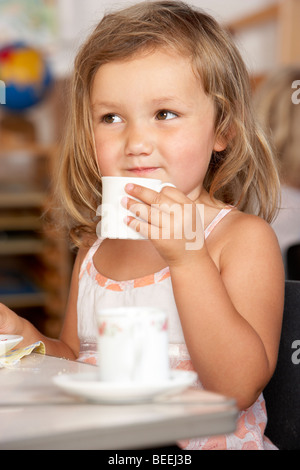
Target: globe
25	76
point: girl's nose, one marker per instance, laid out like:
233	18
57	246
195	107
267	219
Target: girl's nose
138	141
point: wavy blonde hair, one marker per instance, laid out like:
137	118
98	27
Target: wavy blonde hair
244	174
280	118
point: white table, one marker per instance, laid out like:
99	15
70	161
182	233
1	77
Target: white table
36	414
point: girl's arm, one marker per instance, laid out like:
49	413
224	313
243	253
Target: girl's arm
231	316
67	345
229	293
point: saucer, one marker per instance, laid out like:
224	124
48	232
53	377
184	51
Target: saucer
87	385
8	342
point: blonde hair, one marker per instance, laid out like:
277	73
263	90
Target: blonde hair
280	118
244	174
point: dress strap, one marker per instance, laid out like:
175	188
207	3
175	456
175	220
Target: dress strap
89	255
217	219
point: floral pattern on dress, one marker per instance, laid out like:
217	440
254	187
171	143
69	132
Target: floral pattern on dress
250	426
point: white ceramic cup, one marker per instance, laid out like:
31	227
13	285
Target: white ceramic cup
112	213
133	345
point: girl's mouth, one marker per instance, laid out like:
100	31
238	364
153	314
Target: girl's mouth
142	170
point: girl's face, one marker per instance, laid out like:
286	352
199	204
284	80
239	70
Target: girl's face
152	119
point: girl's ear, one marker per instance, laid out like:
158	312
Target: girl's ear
220	144
222	141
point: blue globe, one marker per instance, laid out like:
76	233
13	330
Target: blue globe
25	76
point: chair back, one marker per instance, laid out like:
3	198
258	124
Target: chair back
293	262
282	394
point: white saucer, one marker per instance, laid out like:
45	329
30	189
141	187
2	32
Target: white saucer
88	386
8	342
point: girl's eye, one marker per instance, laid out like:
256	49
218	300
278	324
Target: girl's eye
165	115
111	119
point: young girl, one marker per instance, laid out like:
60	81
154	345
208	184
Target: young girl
160	91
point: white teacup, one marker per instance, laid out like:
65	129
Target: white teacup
112	213
133	345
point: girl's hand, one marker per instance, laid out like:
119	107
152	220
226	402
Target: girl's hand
169	219
10	322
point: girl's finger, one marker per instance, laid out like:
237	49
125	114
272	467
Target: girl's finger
154	223
168	195
142	227
151	214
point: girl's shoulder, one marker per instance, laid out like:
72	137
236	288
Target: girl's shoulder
248	235
248	225
238	225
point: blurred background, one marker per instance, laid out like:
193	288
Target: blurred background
38	42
